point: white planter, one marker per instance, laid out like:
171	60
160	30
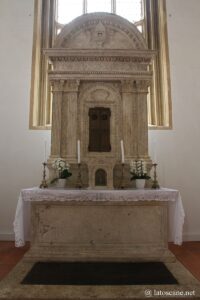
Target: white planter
140	183
61	183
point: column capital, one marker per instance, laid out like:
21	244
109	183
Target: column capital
71	85
127	86
57	85
141	86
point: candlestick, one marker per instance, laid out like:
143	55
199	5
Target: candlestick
44	184
45	150
122	151
122	185
78	152
155	181
79	184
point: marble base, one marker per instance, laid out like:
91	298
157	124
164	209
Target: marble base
10	288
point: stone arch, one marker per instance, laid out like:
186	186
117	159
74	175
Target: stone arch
106	89
100	30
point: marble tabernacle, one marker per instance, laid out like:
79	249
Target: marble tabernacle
100	77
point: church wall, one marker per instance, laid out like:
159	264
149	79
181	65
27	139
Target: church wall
178	150
22	150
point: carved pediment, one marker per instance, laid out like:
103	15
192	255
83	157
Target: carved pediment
100	30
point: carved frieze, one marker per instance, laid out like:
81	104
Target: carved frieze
64	57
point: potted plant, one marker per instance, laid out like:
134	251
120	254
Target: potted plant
62	169
139	173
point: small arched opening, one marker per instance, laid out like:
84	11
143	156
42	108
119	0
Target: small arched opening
100	178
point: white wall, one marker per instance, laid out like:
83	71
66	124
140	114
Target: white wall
21	149
178	150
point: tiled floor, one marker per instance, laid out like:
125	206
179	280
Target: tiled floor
188	254
9	256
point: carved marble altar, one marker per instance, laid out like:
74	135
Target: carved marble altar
99	225
99	60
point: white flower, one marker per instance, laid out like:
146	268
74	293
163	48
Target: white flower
60	164
132	166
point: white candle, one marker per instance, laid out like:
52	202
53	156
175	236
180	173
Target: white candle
78	152
154	154
122	151
45	150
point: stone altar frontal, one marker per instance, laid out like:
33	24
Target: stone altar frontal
100	225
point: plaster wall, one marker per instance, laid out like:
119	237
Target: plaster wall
22	150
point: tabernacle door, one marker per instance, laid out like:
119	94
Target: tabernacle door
99	129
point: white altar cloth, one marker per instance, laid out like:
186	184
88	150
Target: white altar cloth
22	216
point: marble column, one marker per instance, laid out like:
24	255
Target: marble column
141	89
134	118
69	124
57	89
129	118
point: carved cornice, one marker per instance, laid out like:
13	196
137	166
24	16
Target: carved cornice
99	75
136	59
143	56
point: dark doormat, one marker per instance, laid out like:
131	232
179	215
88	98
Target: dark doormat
99	273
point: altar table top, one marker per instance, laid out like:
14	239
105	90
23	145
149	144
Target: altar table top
22	216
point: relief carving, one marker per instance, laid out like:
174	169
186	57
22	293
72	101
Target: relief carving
100	95
99	35
100	30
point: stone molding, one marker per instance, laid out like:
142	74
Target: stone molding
65	57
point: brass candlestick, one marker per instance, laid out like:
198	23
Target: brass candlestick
155	181
122	185
44	184
79	183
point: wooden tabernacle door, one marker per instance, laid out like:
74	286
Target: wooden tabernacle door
99	129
